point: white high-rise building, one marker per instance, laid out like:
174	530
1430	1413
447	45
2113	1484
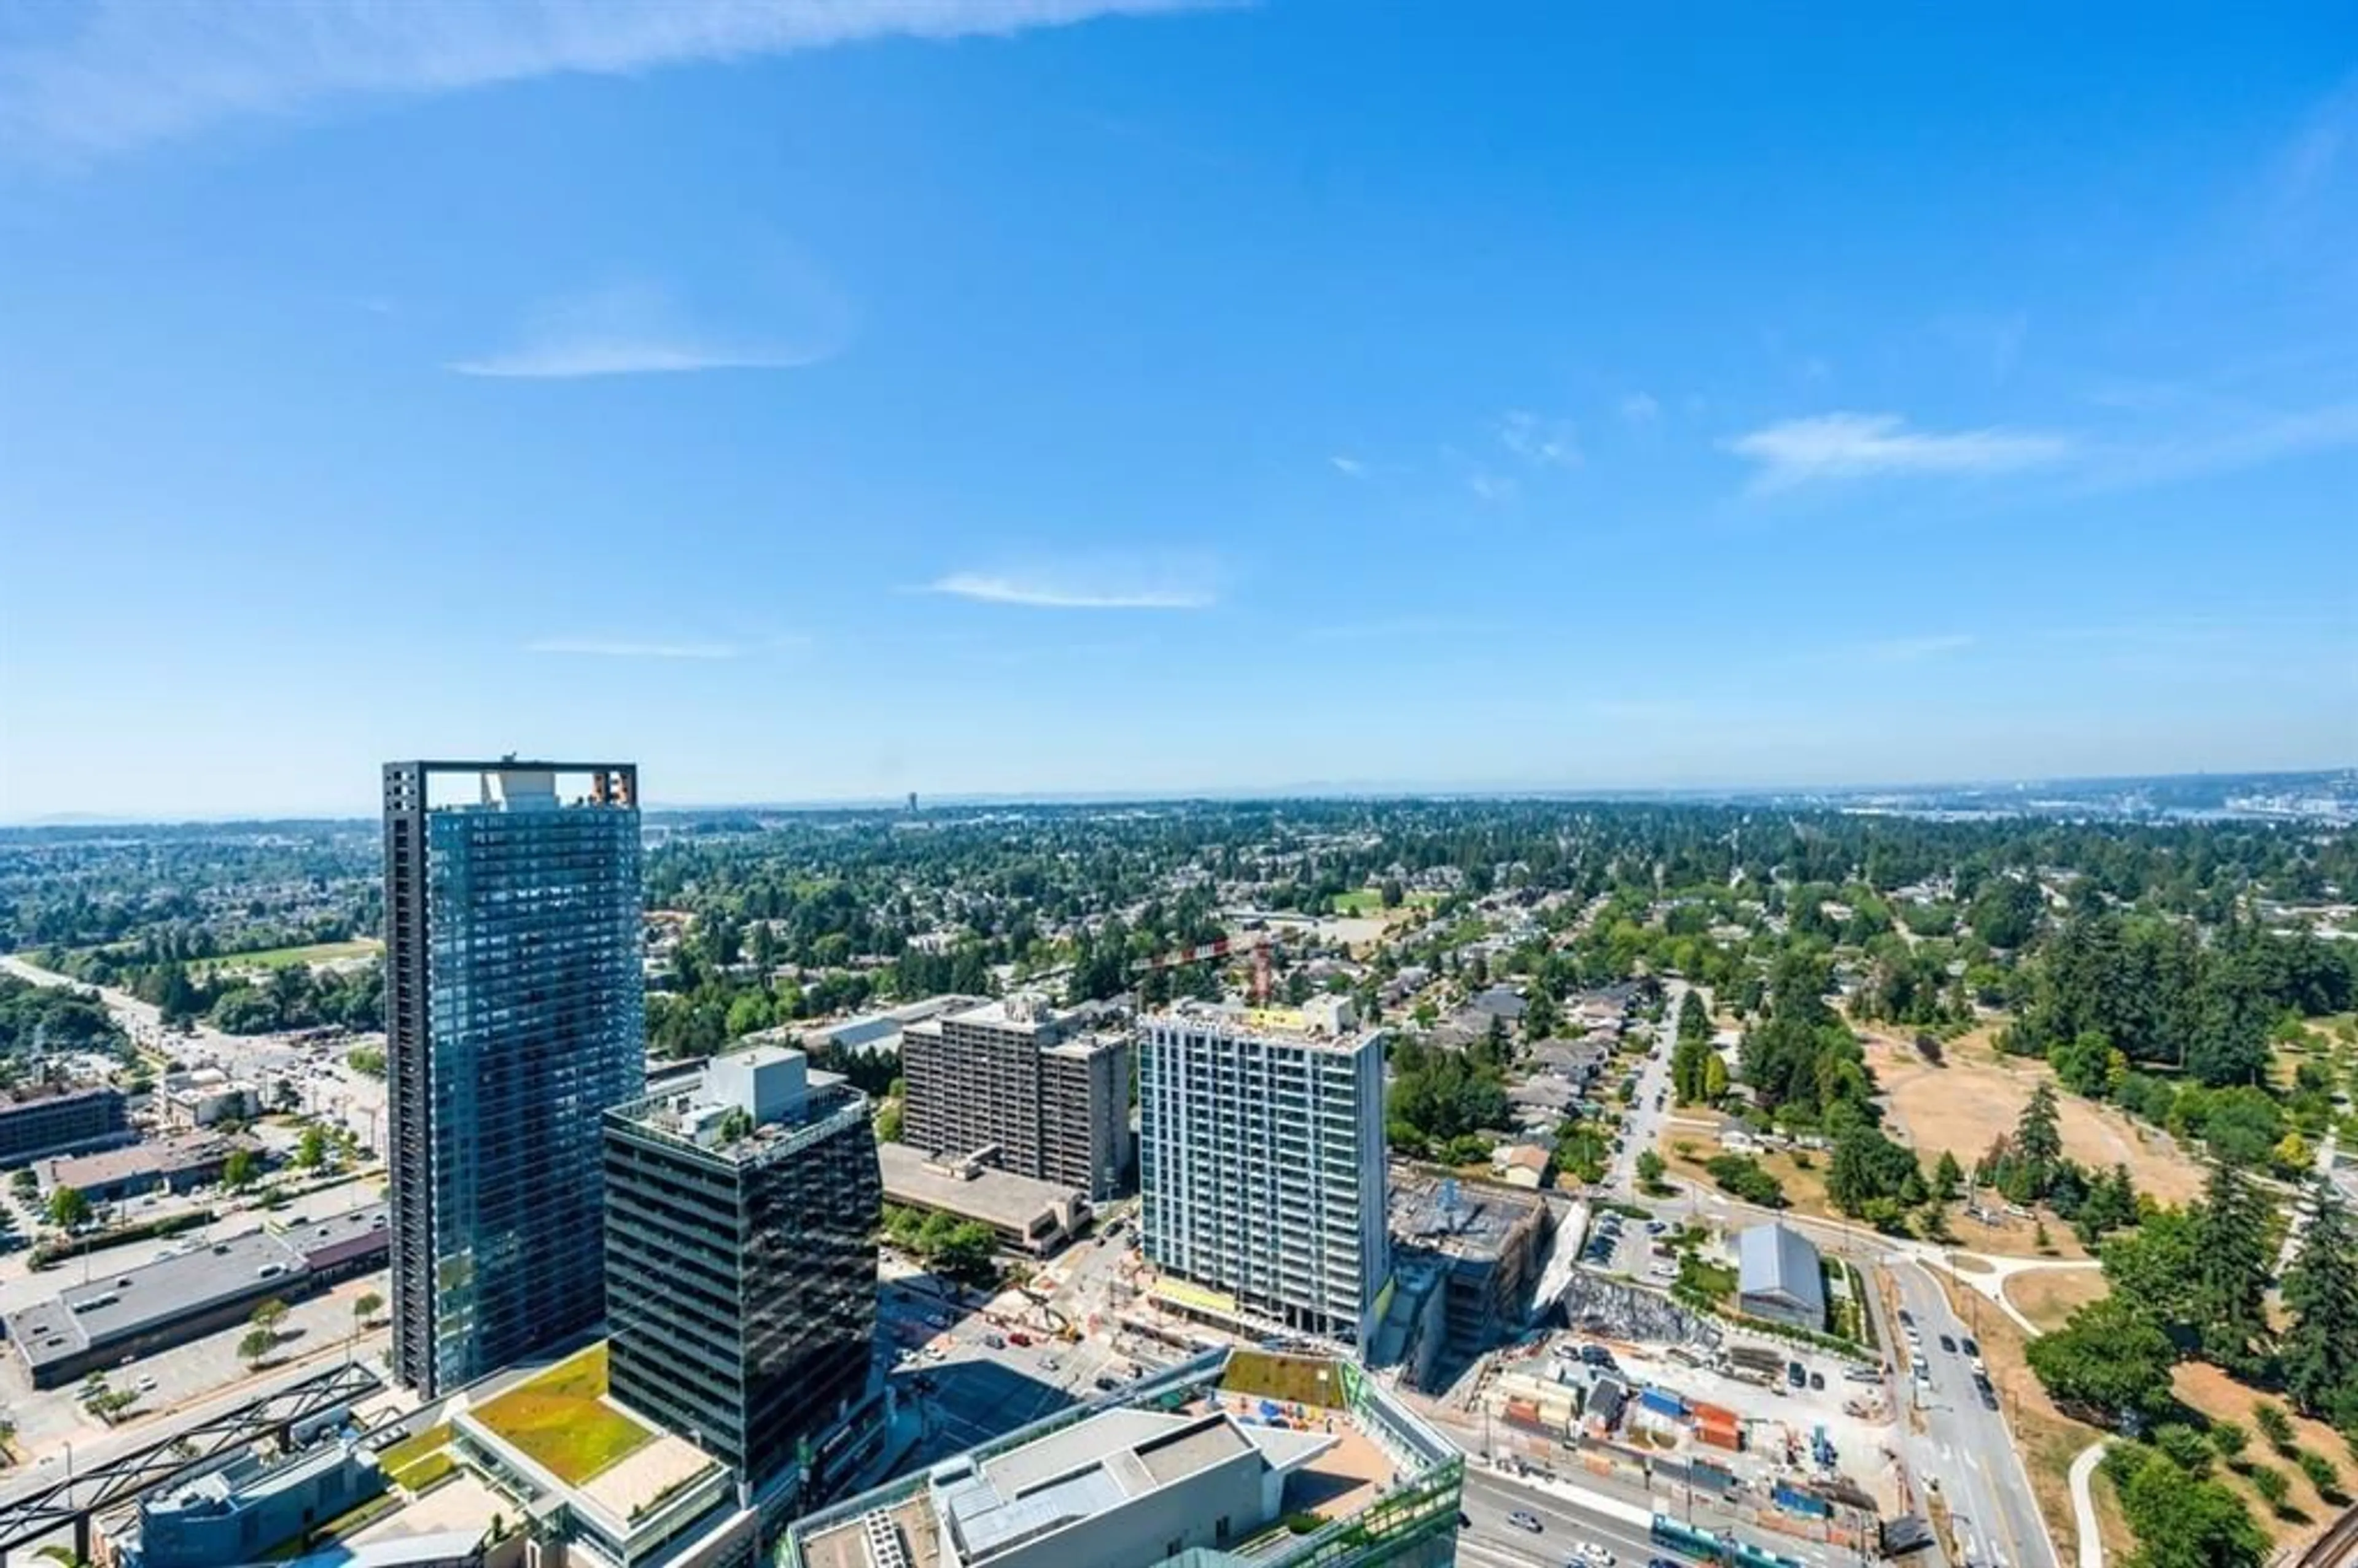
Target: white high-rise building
1261	1161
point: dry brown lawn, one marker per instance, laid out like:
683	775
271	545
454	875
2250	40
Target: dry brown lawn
2047	1296
2219	1396
1977	1095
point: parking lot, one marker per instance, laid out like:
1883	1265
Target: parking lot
48	1420
1618	1245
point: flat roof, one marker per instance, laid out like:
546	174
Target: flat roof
1087	1469
1021	1013
189	1150
123	1303
26	1095
1477	1219
1291	1026
997	1197
1062	1471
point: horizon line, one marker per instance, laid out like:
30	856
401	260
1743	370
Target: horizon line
1247	795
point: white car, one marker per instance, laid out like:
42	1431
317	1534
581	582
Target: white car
1588	1554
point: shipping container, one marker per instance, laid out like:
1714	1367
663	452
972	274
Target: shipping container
1663	1402
1794	1501
1724	1437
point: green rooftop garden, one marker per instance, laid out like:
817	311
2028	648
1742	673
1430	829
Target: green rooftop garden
560	1420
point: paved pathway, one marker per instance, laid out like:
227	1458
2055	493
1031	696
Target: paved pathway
2083	1505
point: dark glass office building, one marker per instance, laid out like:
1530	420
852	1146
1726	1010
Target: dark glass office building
740	1259
514	1015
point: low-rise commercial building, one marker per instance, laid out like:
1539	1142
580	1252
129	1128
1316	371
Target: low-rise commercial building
200	1099
872	1033
166	1164
1032	1216
247	1510
1235	1457
1776	1277
210	1285
41	1119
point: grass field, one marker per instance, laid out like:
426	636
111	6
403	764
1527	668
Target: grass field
2046	1296
1978	1095
1368	902
561	1420
2219	1396
284	958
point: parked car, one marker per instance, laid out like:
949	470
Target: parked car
1817	1379
1022	1340
1969	1348
1948	1345
1796	1375
994	1342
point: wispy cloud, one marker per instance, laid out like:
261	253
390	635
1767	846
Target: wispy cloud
1349	468
1857	446
1911	650
2224	444
1541	442
1491	487
1049	592
639	330
1640	408
82	81
608	648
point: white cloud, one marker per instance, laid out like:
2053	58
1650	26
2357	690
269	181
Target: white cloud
1491	487
604	648
1350	467
1057	593
634	330
1543	443
86	80
1858	446
1640	408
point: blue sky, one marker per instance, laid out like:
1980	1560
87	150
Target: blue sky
1069	395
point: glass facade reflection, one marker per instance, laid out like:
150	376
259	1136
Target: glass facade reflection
740	1267
515	1017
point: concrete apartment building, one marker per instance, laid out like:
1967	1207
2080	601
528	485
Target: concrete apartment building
1262	1161
514	1015
740	1259
1024	1088
37	1119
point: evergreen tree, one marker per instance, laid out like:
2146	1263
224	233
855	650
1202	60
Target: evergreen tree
1695	1023
2231	1272
2321	1295
1948	1177
2039	1138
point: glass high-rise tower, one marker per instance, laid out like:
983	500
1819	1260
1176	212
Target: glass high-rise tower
514	1015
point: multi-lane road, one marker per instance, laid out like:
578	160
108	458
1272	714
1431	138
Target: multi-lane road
1489	1540
1965	1443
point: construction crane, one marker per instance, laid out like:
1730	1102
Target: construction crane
1257	942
